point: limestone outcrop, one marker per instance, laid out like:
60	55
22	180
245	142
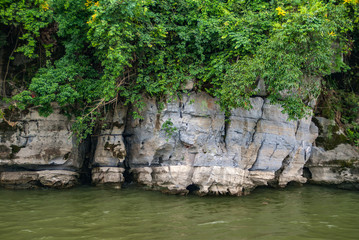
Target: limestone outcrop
39	151
191	143
185	145
333	161
35	179
109	150
339	166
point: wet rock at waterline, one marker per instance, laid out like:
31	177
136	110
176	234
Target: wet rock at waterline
109	176
35	179
184	146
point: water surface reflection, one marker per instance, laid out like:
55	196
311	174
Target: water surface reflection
308	212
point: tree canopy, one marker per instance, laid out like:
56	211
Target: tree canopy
94	53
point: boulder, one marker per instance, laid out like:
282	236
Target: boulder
339	166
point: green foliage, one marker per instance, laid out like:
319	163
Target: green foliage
294	56
31	17
353	134
169	129
340	99
116	50
343	107
83	126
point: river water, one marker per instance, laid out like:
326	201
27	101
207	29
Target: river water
308	212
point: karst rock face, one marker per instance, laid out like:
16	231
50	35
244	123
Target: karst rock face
109	154
333	161
203	150
180	146
339	166
39	152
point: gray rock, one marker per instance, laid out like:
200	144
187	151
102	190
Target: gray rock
110	151
39	142
189	145
261	88
36	179
111	176
330	135
110	148
339	166
252	148
188	86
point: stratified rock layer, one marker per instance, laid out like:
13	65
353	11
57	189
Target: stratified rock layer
339	166
39	151
110	152
216	155
36	179
110	176
37	141
186	145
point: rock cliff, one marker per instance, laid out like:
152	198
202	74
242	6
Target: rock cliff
208	153
39	152
333	160
186	145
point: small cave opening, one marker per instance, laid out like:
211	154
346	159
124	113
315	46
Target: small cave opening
192	188
87	148
306	173
128	175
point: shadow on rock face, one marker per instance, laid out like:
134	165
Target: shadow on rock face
192	188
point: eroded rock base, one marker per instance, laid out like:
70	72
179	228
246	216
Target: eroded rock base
206	180
37	179
108	176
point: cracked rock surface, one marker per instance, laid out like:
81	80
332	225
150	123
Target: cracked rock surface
339	166
218	155
39	152
186	145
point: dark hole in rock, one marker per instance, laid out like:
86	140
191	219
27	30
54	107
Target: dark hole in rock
128	175
306	173
192	188
294	184
87	149
66	156
160	160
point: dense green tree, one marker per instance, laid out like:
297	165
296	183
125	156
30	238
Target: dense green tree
115	50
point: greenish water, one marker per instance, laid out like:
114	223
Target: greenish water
91	213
